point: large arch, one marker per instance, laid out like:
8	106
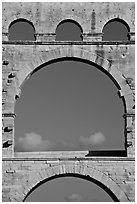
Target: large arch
75	68
35	62
109	185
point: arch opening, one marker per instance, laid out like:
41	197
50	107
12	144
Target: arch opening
116	30
21	29
78	188
69	30
77	94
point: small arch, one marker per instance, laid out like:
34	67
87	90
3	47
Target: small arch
21	29
116	30
69	30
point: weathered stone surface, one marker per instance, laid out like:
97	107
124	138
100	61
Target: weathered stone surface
23	170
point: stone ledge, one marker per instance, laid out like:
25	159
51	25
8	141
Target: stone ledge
69	42
72	154
71	159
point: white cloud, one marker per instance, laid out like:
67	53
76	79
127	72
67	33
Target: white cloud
33	142
80	198
75	198
95	139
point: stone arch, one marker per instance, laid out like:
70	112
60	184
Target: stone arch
73	22
15	16
27	68
61	169
119	21
28	23
112	16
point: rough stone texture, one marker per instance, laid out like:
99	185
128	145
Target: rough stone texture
22	171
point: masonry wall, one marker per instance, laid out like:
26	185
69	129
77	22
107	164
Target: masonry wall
21	175
20	59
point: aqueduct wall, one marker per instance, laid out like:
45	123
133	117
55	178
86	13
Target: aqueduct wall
22	58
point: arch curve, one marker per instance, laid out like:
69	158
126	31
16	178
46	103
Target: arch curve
119	20
102	179
49	56
123	27
26	23
71	21
70	52
74	25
